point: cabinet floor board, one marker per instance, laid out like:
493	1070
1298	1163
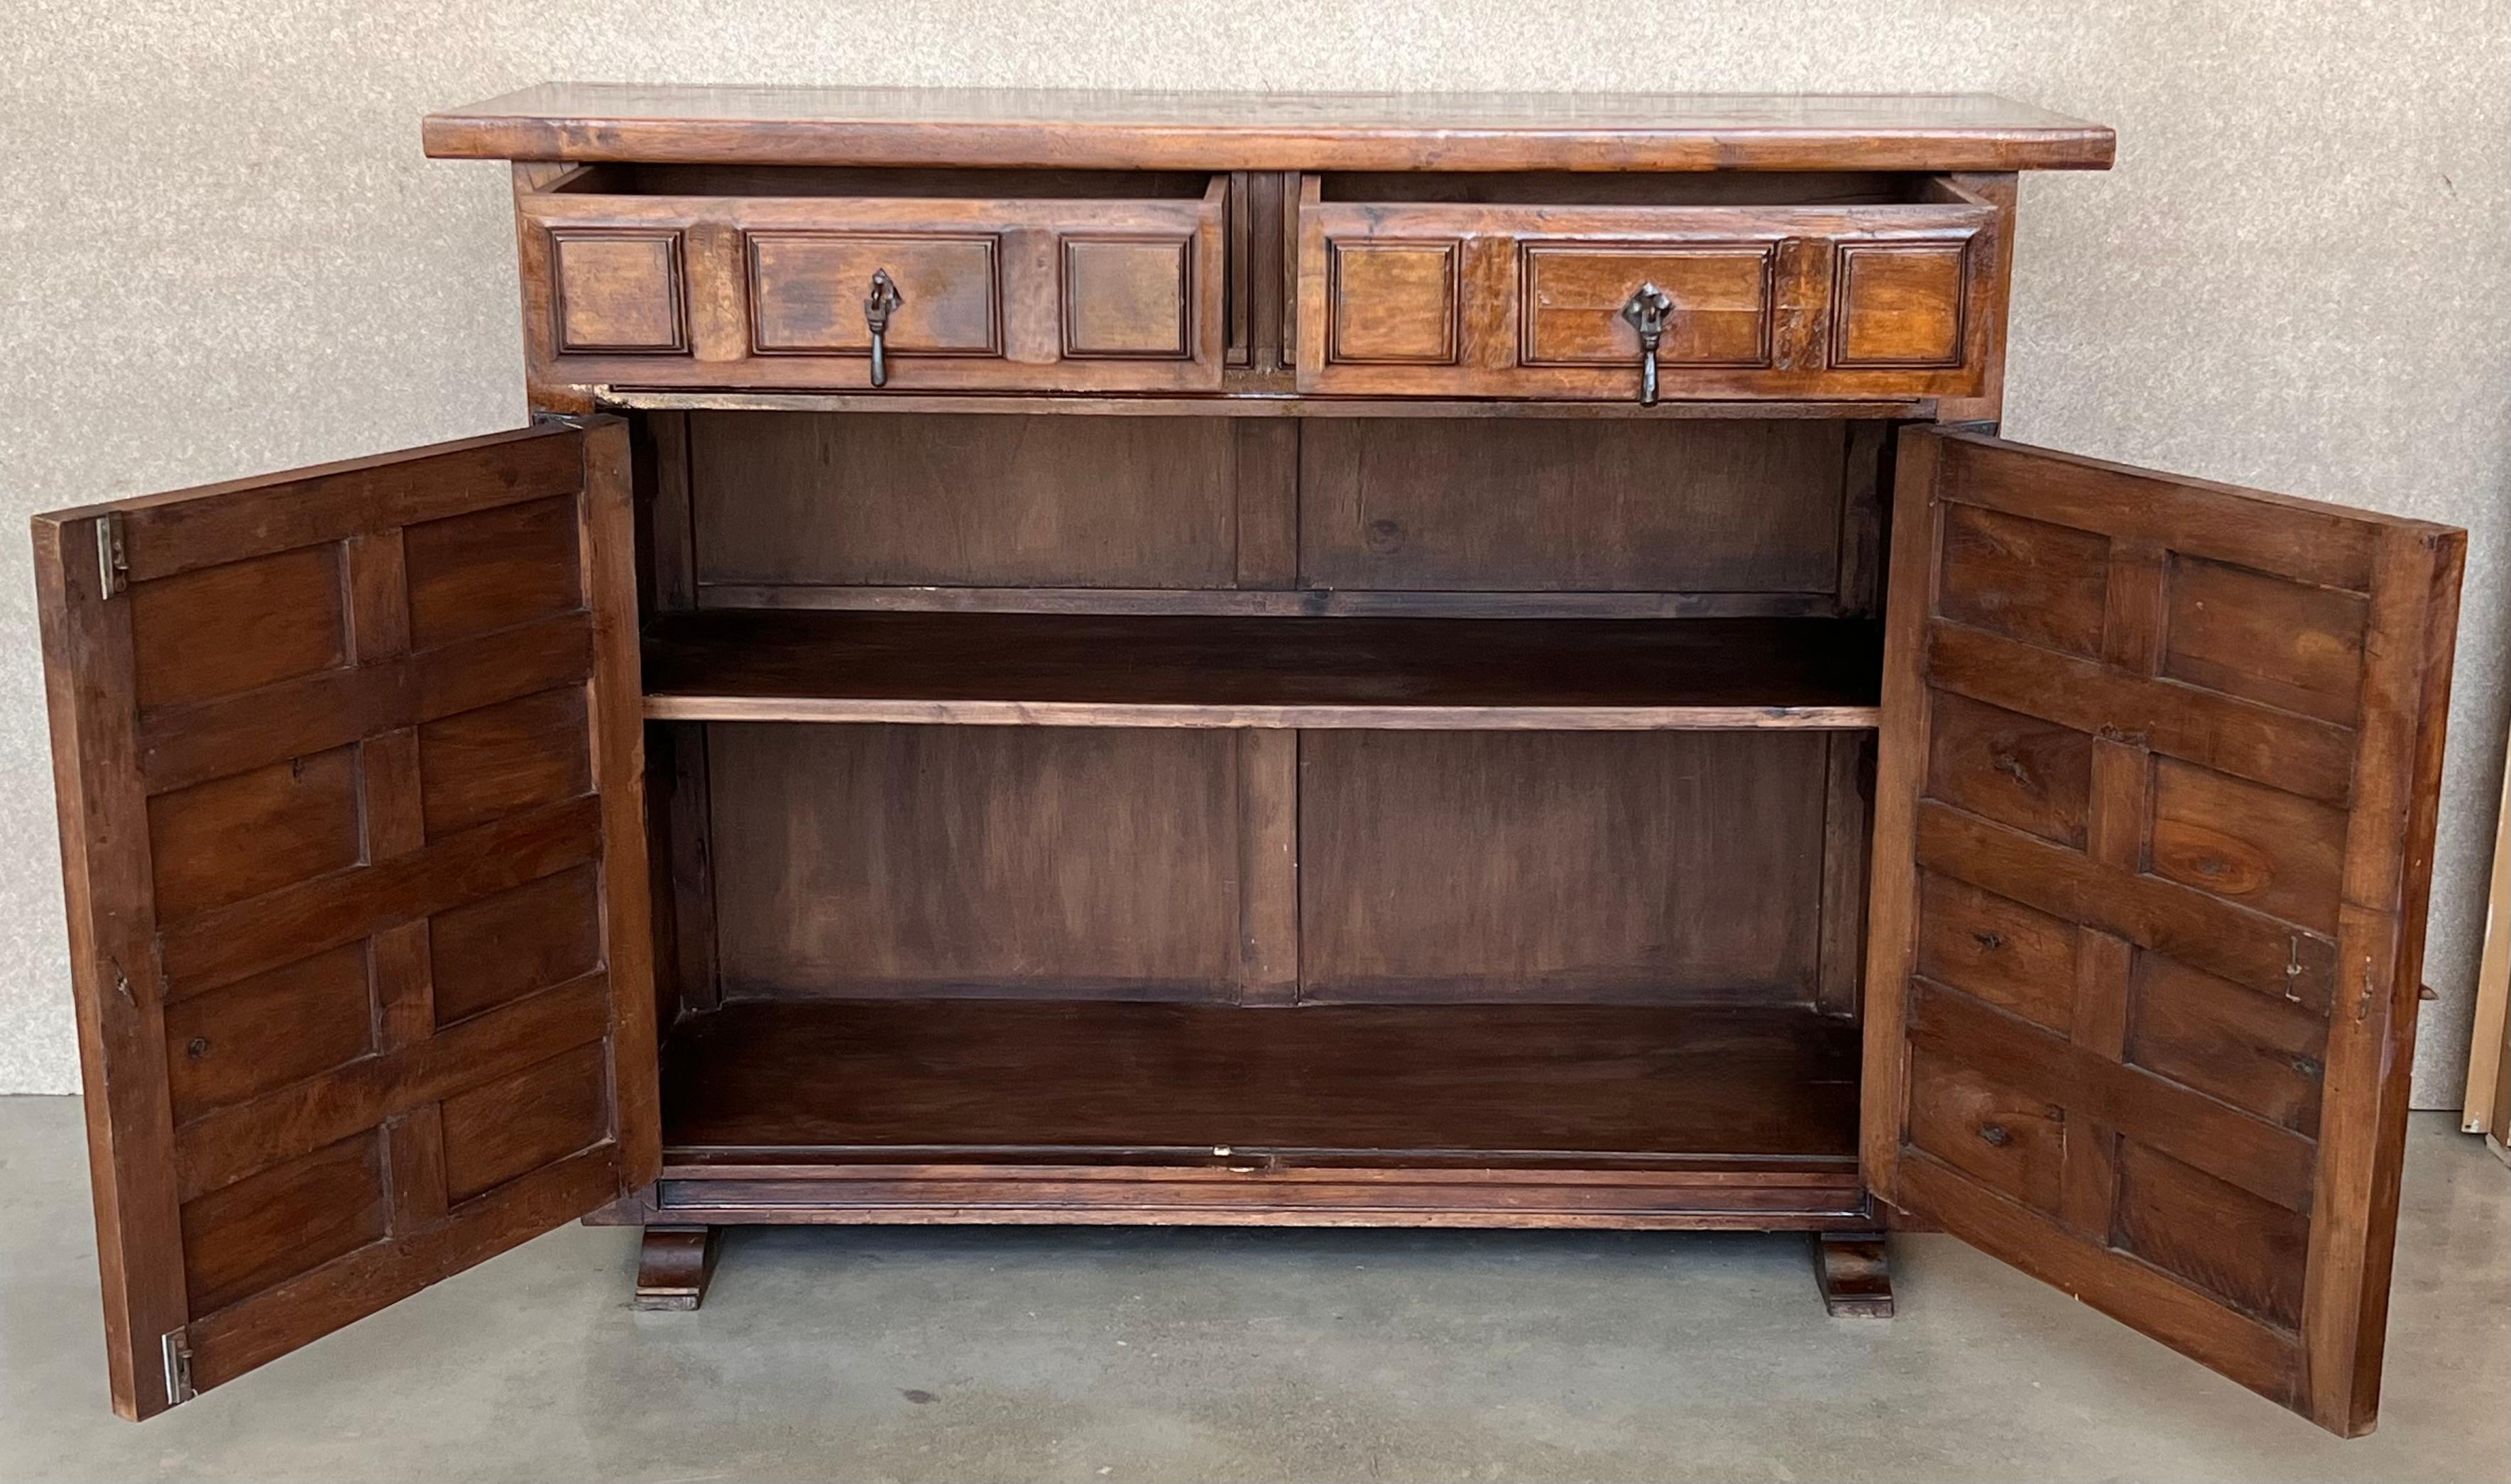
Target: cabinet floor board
1130	1078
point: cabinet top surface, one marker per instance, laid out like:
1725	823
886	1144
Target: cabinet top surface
1048	128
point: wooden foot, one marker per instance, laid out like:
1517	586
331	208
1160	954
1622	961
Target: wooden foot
1855	1275
672	1271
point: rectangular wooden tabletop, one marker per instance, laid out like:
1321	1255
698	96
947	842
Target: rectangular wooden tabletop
1150	129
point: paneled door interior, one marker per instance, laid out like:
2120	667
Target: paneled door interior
349	777
2153	833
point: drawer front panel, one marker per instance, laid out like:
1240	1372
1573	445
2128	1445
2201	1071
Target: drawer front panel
1573	293
1888	301
768	293
807	291
620	291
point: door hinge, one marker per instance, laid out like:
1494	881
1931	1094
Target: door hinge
112	565
178	1367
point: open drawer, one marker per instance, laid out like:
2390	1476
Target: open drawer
912	280
1613	287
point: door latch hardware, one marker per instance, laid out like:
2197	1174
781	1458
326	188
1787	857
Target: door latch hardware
1647	311
883	298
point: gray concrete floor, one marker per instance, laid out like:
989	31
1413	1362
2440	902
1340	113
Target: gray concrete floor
1087	1355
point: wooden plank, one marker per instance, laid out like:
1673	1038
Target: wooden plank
233	1142
2267	1159
2413	625
1306	602
1847	848
212	948
1249	404
294	718
607	535
2229	735
188	529
259	1329
115	985
1050	670
1268	867
1049	129
1266	470
1495	1081
2189	1320
2305	540
2234	942
1901	747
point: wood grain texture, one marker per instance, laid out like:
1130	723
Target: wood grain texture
701	278
2189	726
1443	504
1265	130
329	812
1613	867
1047	670
855	860
1523	301
1370	1079
966	501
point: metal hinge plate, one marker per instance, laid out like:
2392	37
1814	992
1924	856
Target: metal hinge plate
178	1367
112	565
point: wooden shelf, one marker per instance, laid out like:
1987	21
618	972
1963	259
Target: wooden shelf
1066	670
1247	402
782	1081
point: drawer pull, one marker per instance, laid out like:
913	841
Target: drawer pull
885	297
1647	312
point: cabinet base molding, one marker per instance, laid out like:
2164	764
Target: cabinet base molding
674	1266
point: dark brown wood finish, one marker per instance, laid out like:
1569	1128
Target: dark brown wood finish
1855	1274
351	826
1251	723
2155	831
1054	129
1525	299
922	1078
1072	670
673	1267
1108	282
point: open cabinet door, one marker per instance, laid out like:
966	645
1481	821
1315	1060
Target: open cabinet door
2153	837
348	765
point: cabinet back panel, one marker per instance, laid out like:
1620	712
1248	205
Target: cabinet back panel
1604	866
1528	505
910	861
969	500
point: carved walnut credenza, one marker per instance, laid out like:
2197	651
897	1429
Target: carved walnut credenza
1065	658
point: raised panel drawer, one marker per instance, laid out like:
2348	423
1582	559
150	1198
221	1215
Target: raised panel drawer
1868	287
692	275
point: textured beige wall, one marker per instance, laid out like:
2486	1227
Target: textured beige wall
221	253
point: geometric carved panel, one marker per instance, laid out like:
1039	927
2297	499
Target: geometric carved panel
2154	824
1899	304
1129	298
341	755
620	290
1391	303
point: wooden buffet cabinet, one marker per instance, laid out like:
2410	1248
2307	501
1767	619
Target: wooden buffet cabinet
1363	661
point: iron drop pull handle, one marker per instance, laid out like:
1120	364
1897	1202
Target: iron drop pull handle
1647	311
883	298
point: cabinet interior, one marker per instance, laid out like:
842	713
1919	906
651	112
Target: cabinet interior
1387	790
